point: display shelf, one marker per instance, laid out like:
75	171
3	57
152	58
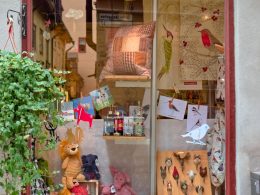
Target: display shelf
129	81
134	140
107	137
126	78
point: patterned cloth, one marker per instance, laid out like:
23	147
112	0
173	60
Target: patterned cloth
131	51
216	149
220	92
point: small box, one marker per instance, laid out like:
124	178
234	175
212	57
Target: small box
255	183
139	126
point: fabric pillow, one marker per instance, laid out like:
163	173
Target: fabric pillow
130	52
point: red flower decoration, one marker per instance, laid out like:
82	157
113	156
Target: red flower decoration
203	9
205	69
197	25
216	12
214	18
184	43
175	174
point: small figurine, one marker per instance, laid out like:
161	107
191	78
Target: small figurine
163	173
168	163
191	175
169	187
199	189
203	172
184	187
176	175
181	157
197	160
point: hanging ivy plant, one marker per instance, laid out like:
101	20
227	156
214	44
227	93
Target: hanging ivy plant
26	92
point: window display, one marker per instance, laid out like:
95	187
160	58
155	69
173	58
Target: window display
108	135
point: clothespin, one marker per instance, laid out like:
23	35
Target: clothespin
81	95
199	102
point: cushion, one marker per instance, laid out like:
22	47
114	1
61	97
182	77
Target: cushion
130	52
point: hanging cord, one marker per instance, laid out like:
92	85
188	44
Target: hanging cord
10	22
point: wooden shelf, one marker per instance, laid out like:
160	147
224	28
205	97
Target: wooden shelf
89	181
135	81
126	78
107	137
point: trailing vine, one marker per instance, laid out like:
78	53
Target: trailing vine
26	92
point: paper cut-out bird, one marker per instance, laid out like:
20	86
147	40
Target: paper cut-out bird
197	134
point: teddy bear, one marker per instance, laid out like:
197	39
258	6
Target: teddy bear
121	185
89	165
71	162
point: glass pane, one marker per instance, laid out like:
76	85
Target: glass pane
190	131
111	49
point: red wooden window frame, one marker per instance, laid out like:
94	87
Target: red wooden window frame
230	89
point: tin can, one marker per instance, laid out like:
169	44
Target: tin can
129	126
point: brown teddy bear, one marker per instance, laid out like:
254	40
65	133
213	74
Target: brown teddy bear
71	161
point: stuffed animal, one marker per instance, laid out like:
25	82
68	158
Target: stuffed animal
71	162
89	165
121	184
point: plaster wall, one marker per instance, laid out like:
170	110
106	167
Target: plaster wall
5	6
247	61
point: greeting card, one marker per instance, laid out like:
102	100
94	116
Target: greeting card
67	111
197	116
86	102
102	97
172	108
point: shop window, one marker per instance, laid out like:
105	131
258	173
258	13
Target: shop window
113	81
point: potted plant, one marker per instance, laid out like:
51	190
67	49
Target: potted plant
26	92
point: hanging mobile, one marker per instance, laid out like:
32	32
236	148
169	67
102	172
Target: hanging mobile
191	175
184	187
175	175
168	163
199	189
203	173
197	160
163	173
181	157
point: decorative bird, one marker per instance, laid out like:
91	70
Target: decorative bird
184	187
175	175
163	173
209	40
191	175
197	160
203	173
200	189
167	45
197	134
